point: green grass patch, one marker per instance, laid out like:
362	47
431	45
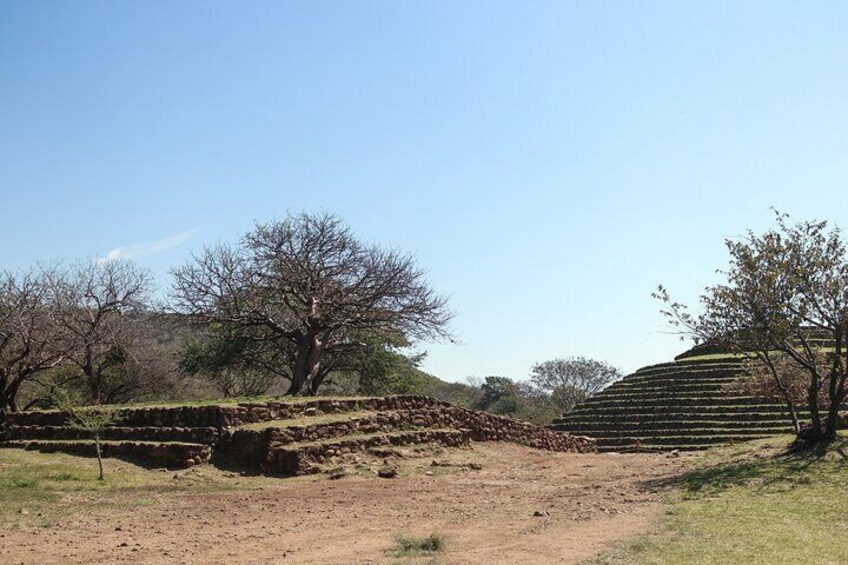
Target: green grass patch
754	503
41	488
412	546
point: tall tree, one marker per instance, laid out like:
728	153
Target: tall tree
572	380
310	287
784	303
27	347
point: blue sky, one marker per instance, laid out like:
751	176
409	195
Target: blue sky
549	163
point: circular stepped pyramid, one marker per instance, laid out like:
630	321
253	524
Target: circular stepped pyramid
681	405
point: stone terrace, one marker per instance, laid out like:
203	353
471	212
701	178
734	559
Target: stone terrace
681	405
289	438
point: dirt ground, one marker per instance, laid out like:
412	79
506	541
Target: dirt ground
522	506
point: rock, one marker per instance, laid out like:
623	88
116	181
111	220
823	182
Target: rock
387	472
475	466
674	453
540	514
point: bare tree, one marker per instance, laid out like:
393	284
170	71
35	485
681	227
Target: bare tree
26	345
785	303
571	381
96	316
308	286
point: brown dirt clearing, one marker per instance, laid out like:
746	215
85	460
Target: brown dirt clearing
581	502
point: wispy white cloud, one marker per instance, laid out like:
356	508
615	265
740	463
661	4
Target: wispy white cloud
144	249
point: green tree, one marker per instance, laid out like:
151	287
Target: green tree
785	304
500	395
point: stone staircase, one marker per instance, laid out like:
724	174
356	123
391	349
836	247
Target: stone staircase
287	437
681	405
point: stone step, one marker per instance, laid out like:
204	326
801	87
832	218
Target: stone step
650	448
673	440
689	368
226	415
305	458
624	386
693	402
654	394
673	383
671	414
251	445
645	410
175	455
665	432
585	426
207	436
688	373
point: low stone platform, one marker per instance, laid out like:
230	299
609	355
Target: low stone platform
173	455
290	436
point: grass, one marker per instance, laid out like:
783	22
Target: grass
410	549
711	357
754	503
42	488
232	401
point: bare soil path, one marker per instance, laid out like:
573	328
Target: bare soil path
580	502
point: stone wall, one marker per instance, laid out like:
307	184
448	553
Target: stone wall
171	455
261	448
208	436
218	426
222	416
306	459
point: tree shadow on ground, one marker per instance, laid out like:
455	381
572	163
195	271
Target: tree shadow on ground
765	467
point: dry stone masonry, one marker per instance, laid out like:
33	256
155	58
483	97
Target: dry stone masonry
684	405
285	437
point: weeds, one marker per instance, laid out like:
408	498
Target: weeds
408	546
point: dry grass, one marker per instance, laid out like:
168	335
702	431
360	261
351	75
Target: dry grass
41	488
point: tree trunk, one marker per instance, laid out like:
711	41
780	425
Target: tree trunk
837	389
813	402
832	422
307	364
784	390
790	404
4	401
8	398
316	381
793	414
99	455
